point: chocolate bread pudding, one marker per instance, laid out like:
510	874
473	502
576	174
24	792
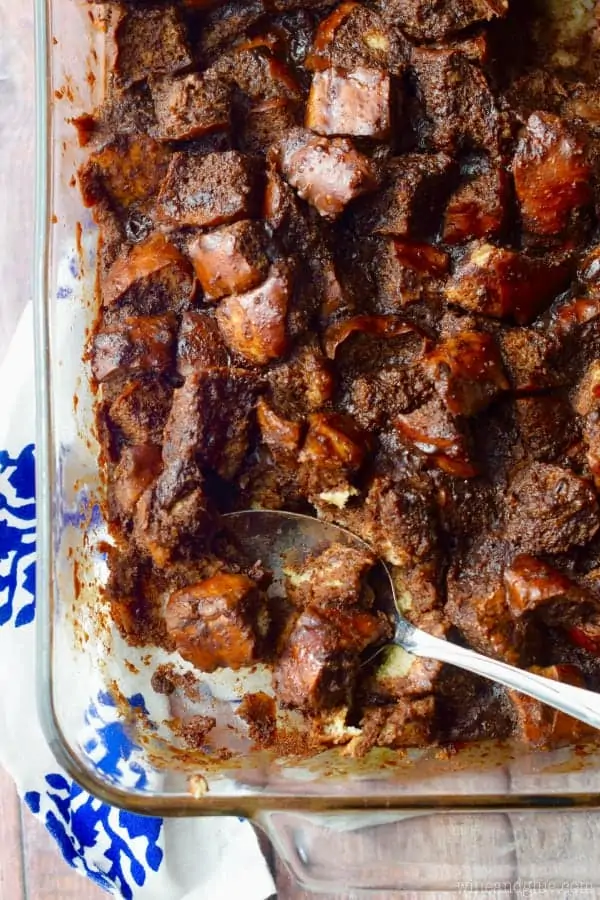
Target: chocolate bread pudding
349	266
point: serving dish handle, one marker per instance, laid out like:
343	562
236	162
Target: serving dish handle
446	853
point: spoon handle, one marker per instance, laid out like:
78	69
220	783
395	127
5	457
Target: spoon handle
574	701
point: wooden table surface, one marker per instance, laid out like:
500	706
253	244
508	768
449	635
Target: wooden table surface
30	865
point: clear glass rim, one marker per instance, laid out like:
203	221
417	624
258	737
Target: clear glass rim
250	805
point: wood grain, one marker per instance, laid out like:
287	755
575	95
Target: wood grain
47	876
30	863
289	889
12	885
17	168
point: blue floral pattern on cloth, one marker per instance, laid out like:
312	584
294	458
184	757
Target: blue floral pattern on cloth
115	849
17	537
109	747
97	839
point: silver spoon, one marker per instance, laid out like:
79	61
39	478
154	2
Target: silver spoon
280	539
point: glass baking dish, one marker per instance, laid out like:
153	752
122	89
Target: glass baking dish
103	721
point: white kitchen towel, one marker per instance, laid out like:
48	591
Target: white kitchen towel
128	855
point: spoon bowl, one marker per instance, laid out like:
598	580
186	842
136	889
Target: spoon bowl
283	539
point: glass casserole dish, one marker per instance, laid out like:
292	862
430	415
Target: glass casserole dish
89	678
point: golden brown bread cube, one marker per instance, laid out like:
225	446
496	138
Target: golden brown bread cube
126	171
434	432
355	103
327	172
258	73
550	509
152	278
503	283
208	190
547	426
303	383
190	106
333	451
587	396
318	666
140	409
530	360
412	186
136	470
379	326
230	260
150	42
137	343
467	372
210	419
220	622
409	723
172	517
280	435
478	208
424	23
407	272
398	520
477	604
334	577
458	107
353	35
224	24
537	724
265	122
533	586
552	175
254	324
199	344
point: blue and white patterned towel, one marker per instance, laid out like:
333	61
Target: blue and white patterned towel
123	853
